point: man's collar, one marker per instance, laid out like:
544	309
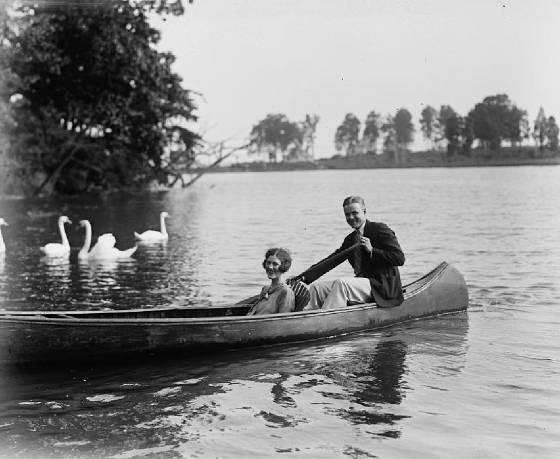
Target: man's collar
361	228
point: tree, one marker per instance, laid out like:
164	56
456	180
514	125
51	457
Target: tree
389	135
496	118
95	105
452	126
539	129
429	124
276	134
466	135
404	128
552	133
347	135
488	118
516	125
371	132
308	127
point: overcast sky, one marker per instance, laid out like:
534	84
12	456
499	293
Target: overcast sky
330	57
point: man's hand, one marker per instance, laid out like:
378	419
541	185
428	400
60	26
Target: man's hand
367	244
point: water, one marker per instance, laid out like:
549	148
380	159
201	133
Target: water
479	384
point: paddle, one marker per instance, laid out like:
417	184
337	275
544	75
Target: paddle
324	266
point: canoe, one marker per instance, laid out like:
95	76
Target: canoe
40	337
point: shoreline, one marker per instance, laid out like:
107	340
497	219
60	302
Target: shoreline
336	163
359	163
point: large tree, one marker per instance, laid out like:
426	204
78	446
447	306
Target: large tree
372	126
95	104
276	134
497	118
347	134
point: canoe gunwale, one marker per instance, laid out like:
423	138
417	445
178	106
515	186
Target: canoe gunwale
95	318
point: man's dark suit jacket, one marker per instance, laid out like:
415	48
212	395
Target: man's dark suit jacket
380	268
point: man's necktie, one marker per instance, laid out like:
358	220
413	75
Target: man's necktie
358	254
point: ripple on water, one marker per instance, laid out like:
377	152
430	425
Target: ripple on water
104	398
167	392
483	385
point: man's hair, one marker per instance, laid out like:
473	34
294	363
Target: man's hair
354	199
282	254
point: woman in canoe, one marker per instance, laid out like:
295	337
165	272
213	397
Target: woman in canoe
278	296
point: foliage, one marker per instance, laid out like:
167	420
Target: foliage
539	129
452	126
347	134
429	124
516	126
276	134
95	105
552	133
389	134
495	119
371	132
467	134
404	129
309	127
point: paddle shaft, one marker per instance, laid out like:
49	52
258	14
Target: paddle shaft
324	266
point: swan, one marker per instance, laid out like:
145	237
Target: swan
104	249
2	244
56	249
154	236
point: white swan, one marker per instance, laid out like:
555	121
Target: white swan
2	243
155	236
56	249
104	249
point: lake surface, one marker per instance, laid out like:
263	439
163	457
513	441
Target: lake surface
480	384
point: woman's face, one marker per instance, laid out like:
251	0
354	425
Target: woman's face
272	267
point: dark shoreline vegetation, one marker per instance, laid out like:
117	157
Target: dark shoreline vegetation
521	156
89	105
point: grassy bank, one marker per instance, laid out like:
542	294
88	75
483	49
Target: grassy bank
521	156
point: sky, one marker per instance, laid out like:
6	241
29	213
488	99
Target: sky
249	58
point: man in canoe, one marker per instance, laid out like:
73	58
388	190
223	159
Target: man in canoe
375	254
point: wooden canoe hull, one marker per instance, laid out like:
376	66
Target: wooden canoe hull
40	337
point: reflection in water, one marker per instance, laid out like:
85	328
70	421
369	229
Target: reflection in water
322	398
3	277
162	274
331	398
56	267
382	380
380	384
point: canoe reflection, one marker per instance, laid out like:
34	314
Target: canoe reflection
306	396
381	383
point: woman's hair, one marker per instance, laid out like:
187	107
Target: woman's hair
283	255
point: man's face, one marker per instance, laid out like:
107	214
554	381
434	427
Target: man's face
355	215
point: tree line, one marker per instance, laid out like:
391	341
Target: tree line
488	125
